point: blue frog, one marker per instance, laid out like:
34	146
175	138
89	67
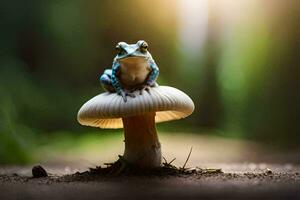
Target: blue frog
133	69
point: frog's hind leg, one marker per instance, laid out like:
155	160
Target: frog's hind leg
105	80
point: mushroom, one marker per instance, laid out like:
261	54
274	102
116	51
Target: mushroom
138	117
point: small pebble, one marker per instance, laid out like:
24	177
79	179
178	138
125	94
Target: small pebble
38	172
268	171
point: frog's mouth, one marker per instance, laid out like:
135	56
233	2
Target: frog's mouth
133	59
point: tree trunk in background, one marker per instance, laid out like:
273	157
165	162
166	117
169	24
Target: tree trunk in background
209	103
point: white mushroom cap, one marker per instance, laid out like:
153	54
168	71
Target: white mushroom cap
107	109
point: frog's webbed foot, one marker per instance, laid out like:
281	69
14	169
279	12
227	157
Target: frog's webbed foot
130	94
145	88
154	84
125	93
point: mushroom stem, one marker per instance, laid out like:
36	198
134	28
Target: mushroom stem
142	147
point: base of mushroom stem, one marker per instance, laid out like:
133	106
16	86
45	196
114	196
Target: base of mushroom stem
122	166
142	147
148	159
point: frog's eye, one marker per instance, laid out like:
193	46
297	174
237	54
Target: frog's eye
118	49
144	46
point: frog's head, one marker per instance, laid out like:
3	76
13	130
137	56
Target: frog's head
132	51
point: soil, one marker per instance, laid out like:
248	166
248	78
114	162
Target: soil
236	181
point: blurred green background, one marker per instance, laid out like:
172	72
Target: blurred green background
238	60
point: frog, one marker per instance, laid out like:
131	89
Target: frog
133	68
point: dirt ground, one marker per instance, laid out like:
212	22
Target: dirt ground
249	172
238	181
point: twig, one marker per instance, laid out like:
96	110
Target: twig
187	159
165	160
166	163
171	161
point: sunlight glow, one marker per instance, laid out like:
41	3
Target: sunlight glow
193	21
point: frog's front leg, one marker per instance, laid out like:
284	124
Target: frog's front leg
116	84
151	81
153	74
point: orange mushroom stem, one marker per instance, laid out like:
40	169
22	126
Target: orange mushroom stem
142	147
